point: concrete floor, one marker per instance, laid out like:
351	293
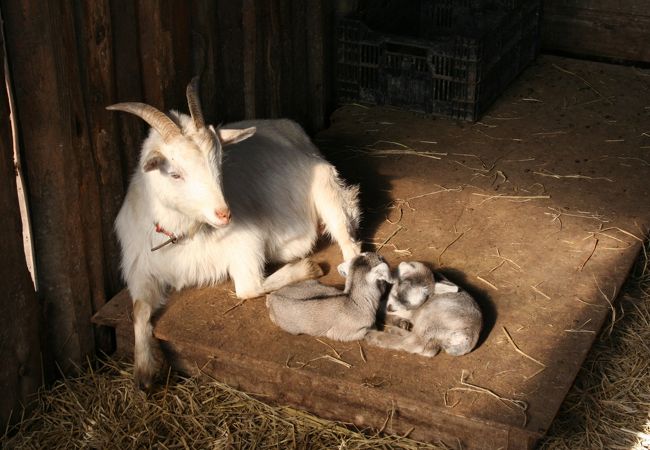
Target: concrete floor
539	210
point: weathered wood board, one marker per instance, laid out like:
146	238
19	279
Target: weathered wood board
539	211
616	30
20	349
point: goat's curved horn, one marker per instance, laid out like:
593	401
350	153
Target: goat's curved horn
194	103
158	120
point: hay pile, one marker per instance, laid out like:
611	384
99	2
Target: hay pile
608	407
102	409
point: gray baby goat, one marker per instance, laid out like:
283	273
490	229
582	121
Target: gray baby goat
309	307
442	316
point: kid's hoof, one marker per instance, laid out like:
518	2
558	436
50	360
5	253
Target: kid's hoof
314	269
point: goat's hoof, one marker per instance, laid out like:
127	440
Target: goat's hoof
145	373
405	325
144	379
373	337
430	352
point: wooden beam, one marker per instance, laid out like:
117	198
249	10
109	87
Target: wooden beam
619	33
20	371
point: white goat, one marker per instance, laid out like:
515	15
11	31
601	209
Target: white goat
310	307
194	214
440	314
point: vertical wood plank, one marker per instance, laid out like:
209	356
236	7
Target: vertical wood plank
286	63
96	50
204	49
273	58
178	20
262	47
315	60
250	58
164	36
57	157
230	70
329	61
20	371
299	62
128	81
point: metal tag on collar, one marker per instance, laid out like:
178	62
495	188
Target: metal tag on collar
171	240
172	237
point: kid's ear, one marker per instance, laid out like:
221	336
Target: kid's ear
229	137
405	269
154	161
444	287
381	272
344	268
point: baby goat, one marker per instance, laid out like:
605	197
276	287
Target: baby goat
196	214
441	315
312	308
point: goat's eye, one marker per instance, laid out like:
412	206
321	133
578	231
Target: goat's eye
175	176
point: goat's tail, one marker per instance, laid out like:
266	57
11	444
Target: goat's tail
337	206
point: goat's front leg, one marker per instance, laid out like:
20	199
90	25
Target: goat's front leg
248	275
338	208
148	357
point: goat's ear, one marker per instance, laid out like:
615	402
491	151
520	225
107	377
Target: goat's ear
381	272
229	136
154	161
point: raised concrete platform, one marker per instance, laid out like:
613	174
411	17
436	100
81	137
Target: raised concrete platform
539	210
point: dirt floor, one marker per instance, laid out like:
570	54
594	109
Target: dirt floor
539	210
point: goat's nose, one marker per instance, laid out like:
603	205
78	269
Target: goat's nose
223	215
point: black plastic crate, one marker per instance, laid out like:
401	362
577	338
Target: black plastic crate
453	73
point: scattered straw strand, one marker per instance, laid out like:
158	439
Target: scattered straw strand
536	289
450	244
546	173
512	404
584	263
391	236
362	353
518	350
480	278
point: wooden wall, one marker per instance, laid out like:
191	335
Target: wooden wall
610	29
70	59
20	371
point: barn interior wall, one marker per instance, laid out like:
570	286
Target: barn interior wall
612	30
68	61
